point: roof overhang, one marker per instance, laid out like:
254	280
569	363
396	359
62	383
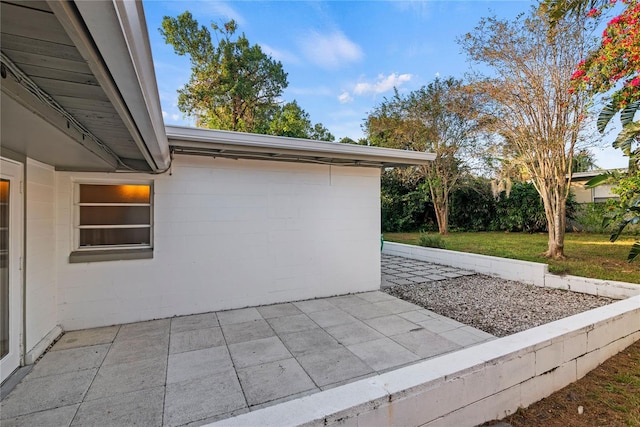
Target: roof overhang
238	145
85	69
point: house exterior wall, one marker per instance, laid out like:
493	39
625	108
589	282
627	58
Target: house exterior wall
228	234
591	195
40	269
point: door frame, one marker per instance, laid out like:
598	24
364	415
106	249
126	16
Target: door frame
14	172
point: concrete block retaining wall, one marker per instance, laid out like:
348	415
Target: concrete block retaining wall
468	387
533	273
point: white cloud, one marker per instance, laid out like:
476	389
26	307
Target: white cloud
437	74
175	117
381	84
164	114
280	55
330	50
345	97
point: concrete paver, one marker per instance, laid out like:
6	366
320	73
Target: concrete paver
353	333
61	416
196	369
294	323
383	353
273	380
133	349
127	377
195	321
195	339
87	337
247	331
333	366
70	360
198	363
257	352
139	408
53	391
205	397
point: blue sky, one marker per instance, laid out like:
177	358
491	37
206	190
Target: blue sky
342	57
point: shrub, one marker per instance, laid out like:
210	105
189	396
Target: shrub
431	241
521	211
589	218
405	207
472	206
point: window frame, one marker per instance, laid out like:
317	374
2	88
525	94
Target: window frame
110	252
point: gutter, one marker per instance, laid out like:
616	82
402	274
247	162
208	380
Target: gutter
239	145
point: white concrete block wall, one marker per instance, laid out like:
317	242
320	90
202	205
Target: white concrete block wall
229	234
468	387
40	273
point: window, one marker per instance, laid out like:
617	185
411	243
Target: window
113	217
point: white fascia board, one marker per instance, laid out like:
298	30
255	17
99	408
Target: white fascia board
119	32
249	145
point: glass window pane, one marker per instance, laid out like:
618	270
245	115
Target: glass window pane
117	236
115	215
90	193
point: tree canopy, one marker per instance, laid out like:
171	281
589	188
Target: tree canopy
292	121
233	85
528	101
438	118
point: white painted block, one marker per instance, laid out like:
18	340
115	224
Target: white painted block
564	375
493	407
574	346
536	388
549	357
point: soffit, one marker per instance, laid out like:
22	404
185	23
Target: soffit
33	39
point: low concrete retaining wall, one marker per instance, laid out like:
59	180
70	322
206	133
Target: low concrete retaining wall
533	273
477	384
510	269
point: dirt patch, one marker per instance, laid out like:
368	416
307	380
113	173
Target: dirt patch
609	396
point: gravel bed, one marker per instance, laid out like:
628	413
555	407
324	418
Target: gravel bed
499	307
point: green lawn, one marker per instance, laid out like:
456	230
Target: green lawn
588	255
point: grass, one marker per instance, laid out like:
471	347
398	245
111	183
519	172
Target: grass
588	255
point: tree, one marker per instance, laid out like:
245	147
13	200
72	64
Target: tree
583	161
234	85
292	121
528	102
437	118
321	133
614	69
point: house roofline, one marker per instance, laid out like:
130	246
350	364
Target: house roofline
594	173
239	145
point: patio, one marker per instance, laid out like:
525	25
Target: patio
206	367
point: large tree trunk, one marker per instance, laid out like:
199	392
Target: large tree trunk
440	199
555	205
442	217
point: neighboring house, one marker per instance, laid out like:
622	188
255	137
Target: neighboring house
599	194
110	217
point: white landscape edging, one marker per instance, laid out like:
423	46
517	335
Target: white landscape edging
468	387
533	273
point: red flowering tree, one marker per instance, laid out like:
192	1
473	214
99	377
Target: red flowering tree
614	69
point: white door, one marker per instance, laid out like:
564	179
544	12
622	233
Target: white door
10	266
